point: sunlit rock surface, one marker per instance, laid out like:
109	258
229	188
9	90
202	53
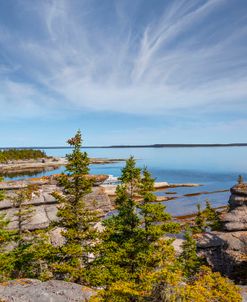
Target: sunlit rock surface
226	251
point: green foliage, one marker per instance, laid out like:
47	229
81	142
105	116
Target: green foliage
131	260
20	154
75	218
188	259
26	256
32	256
21	201
200	221
2	195
28	253
212	217
5	238
133	246
205	286
209	218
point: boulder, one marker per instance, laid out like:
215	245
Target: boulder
226	252
32	290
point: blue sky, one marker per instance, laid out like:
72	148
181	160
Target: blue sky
123	71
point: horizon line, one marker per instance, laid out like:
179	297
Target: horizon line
134	146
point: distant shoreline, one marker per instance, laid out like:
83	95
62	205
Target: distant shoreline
135	146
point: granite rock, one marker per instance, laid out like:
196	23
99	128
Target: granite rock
226	250
32	290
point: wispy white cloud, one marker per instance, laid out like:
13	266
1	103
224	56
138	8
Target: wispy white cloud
167	61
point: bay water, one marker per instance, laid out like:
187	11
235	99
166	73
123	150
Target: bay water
215	168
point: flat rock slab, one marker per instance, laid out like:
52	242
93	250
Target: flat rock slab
236	219
44	206
240	189
32	290
236	241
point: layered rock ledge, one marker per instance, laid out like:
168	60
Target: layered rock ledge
226	251
45	205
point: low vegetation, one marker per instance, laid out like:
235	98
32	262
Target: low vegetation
207	219
131	260
20	154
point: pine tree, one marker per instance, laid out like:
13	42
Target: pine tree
133	250
76	220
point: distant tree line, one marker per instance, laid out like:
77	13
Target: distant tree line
20	154
132	259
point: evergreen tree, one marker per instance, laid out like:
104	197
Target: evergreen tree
22	258
31	247
76	220
133	251
5	235
24	209
212	217
200	221
2	195
188	259
5	238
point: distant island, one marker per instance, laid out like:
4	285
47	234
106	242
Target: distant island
135	146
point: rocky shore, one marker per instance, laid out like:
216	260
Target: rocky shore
226	250
44	164
45	206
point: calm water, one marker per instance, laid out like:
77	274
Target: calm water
214	168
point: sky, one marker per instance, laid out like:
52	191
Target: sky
123	71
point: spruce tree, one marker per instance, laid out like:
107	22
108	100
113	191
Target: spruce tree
75	219
5	238
24	209
32	248
212	217
2	195
200	221
133	250
5	235
21	258
188	259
